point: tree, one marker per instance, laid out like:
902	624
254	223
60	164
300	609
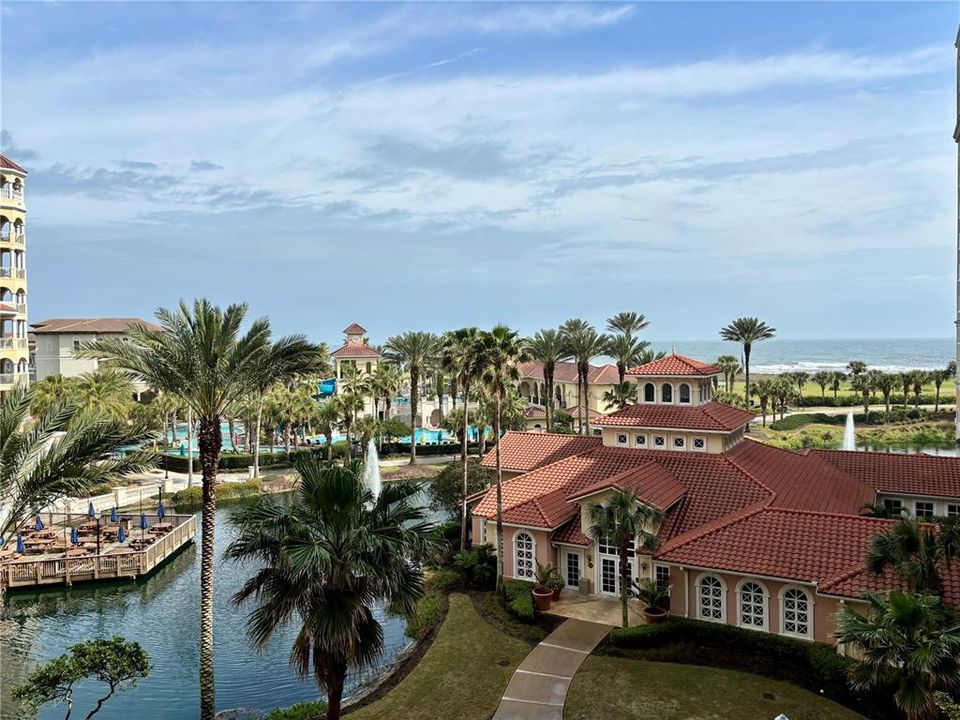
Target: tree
106	390
782	392
730	366
50	391
861	384
626	351
582	343
822	378
905	379
327	554
620	522
886	383
856	367
447	491
416	351
627	323
502	351
385	382
764	390
63	452
328	415
546	348
799	379
116	662
621	395
939	377
916	552
199	355
349	405
747	331
909	642
918	378
836	378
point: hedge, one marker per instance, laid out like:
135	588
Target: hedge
427	615
306	710
225	491
896	414
855	399
241	461
518	598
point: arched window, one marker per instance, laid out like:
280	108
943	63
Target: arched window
22	366
752	601
684	391
649	393
710	598
796	618
523	555
666	393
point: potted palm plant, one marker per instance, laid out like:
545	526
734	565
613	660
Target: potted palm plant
655	599
543	586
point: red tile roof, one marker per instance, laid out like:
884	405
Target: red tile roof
89	325
675	365
571	533
535	412
528	450
354	351
566	372
354	329
6	162
651	483
899	473
712	416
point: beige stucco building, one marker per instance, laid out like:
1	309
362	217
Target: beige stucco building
14	347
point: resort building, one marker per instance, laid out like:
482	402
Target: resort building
751	535
14	349
57	341
532	387
355	354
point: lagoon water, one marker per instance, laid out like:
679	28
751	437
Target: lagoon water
162	614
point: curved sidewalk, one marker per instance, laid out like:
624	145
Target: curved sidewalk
538	688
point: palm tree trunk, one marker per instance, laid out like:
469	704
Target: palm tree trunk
209	442
624	584
334	690
414	390
329	437
586	399
496	431
746	372
189	448
463	461
256	437
936	405
548	377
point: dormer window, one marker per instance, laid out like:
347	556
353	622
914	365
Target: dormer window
621	438
666	393
640	441
659	441
649	393
679	442
684	393
699	444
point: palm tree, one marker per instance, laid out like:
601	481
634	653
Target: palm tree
916	552
349	405
886	383
50	391
546	348
939	377
620	522
918	378
836	378
856	367
385	382
62	452
747	331
764	390
861	384
907	641
328	415
783	391
106	390
416	351
822	379
798	378
327	556
199	355
627	351
621	395
502	351
582	343
730	366
627	323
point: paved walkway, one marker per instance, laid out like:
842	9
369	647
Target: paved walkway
538	688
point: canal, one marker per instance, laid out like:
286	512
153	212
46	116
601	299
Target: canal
161	613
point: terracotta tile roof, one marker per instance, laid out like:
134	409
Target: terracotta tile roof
89	325
6	162
712	416
566	372
651	483
354	329
899	473
354	351
535	412
571	534
528	450
573	411
675	365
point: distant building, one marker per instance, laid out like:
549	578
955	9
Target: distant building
59	339
14	350
355	353
533	388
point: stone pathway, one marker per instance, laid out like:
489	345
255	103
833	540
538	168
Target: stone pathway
538	688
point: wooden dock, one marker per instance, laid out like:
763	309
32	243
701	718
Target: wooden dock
128	565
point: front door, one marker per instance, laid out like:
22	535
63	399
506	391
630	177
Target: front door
610	574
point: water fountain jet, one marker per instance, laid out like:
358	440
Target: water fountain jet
849	433
371	470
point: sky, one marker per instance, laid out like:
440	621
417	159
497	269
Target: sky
428	166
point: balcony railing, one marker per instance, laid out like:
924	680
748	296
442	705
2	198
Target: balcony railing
8	193
18	238
21	308
21	273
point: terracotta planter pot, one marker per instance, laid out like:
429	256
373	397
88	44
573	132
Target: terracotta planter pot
556	594
655	615
542	598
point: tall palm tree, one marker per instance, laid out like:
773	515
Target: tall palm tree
461	356
764	390
327	555
621	395
327	418
62	452
856	367
918	378
621	521
861	384
547	348
798	378
627	323
385	383
107	390
199	355
908	641
886	383
747	331
349	405
939	377
626	351
50	391
916	552
836	378
582	343
730	366
416	351
502	351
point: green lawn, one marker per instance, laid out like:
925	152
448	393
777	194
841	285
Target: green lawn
609	687
812	390
462	675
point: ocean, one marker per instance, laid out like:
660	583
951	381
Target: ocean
781	355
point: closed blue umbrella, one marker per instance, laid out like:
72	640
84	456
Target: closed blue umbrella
113	514
160	512
38	525
74	536
90	511
143	521
20	549
121	535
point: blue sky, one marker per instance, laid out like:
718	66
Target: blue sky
433	165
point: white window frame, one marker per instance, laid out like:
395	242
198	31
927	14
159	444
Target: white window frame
625	441
723	598
566	568
680	400
783	615
893	504
657	569
953	509
693	445
673	393
679	443
916	509
533	556
764	605
644	394
640	440
483	531
662	438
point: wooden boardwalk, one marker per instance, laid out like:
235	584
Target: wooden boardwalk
124	565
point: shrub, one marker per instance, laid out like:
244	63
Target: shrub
446	489
792	422
300	711
225	491
427	615
518	598
442	581
478	565
188	496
